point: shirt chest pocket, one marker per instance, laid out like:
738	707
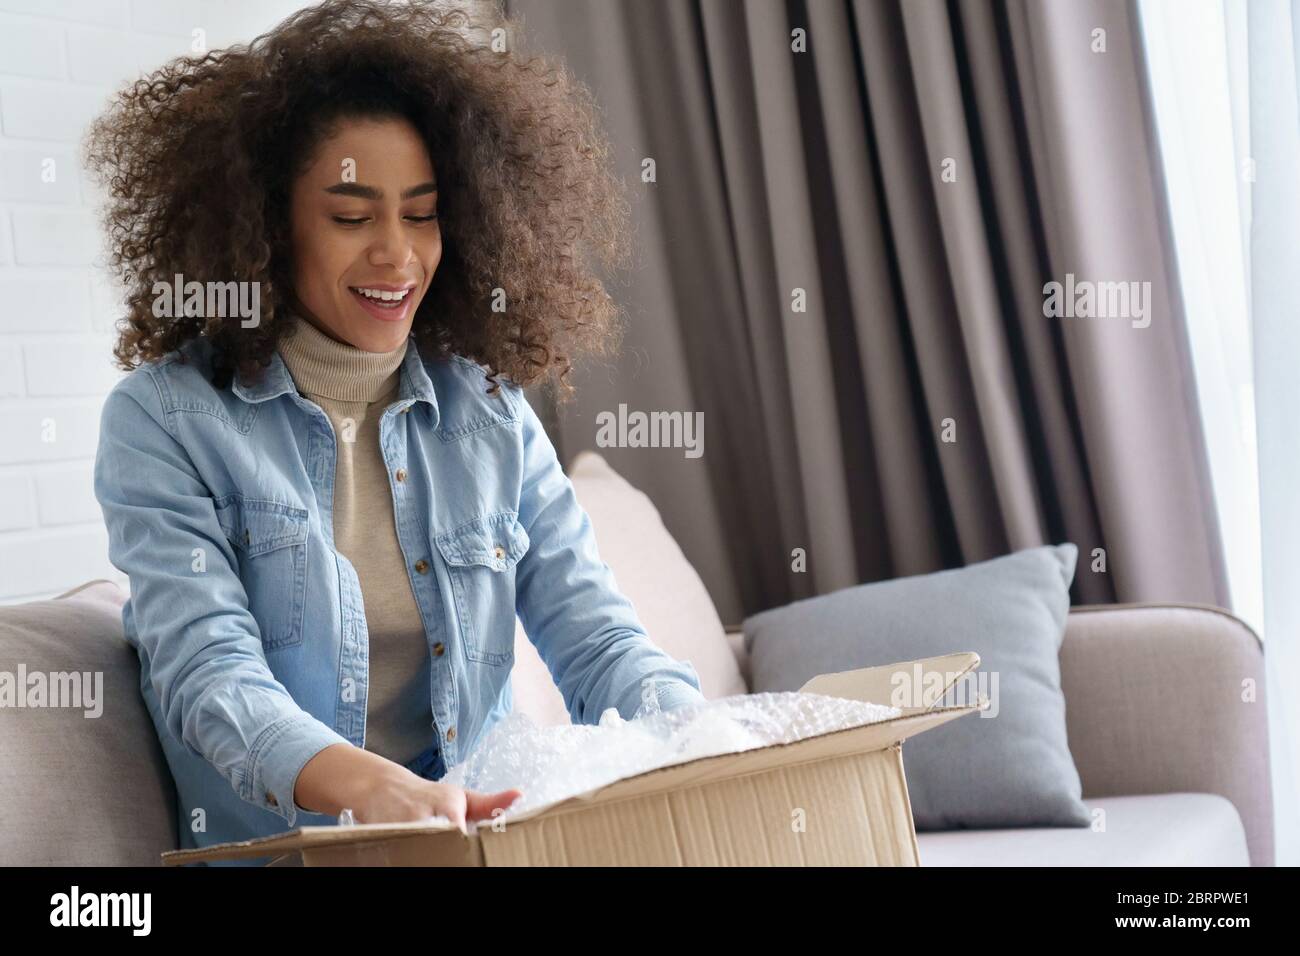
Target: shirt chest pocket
270	540
481	558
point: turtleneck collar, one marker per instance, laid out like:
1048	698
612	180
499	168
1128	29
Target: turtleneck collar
321	366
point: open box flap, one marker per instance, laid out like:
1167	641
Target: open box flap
305	837
931	677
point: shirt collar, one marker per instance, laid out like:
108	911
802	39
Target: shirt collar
415	384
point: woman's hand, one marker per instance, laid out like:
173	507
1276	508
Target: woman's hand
380	791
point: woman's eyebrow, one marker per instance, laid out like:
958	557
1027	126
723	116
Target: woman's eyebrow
371	192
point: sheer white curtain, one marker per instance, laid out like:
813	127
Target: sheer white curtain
1227	107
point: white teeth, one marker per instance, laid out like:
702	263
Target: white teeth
384	296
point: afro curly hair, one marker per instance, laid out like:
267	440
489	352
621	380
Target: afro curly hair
198	158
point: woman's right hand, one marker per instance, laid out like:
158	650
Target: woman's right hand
410	797
377	790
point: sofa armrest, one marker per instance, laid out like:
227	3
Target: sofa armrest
1156	700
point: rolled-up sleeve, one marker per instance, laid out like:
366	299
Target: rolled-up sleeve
188	609
585	630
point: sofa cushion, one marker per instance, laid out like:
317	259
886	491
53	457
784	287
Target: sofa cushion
1166	829
79	789
1009	766
651	570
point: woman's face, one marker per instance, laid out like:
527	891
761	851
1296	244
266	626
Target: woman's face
362	218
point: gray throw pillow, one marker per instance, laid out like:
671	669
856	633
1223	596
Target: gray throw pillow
1012	769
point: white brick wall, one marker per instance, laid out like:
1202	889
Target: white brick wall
60	60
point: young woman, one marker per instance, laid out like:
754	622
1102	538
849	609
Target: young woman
329	506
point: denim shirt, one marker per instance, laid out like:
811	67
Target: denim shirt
250	627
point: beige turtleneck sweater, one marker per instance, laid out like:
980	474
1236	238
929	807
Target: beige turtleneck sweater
354	387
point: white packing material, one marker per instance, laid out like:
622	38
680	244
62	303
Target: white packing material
554	763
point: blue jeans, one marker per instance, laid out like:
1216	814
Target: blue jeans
429	764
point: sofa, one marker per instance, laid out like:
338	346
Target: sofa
1164	742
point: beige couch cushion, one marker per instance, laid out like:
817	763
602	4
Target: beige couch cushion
1166	829
652	571
78	790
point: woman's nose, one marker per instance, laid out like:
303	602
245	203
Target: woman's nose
392	246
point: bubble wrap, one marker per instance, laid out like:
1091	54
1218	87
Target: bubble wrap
552	763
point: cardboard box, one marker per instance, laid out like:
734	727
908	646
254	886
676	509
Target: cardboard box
836	799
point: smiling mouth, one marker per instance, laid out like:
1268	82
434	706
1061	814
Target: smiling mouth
385	305
382	298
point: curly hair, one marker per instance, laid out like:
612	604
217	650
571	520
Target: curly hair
199	157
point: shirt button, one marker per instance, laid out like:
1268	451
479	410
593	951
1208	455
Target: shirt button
248	538
401	474
451	734
422	565
500	552
406	409
270	798
438	649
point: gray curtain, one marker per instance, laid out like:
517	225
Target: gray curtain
828	171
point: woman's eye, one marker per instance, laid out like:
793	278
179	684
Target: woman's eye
345	221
